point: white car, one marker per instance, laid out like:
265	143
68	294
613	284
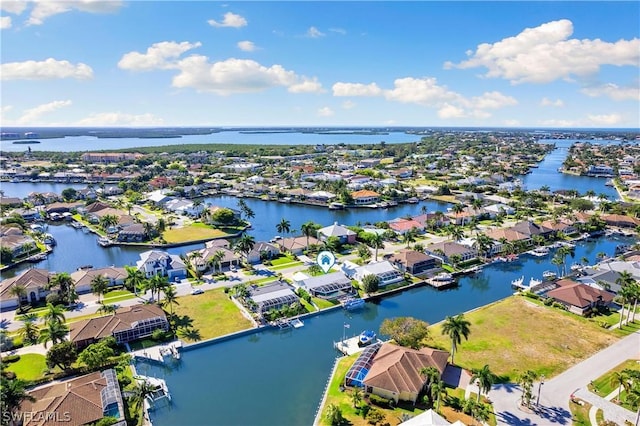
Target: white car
197	291
232	268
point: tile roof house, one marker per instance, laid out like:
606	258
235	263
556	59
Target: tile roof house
79	401
402	226
296	245
35	282
530	228
395	372
126	324
208	252
19	244
82	277
261	248
384	270
446	249
346	235
364	197
579	298
413	262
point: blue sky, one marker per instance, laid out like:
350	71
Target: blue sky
165	63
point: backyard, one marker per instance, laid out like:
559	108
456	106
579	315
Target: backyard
212	313
193	232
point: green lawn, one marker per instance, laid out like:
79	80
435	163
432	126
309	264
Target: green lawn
580	413
29	367
193	232
291	264
143	344
213	313
515	335
323	303
283	260
602	385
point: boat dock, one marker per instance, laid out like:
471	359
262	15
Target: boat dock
160	352
160	392
283	323
350	346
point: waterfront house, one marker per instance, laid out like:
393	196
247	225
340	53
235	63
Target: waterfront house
262	250
60	207
395	371
365	197
579	298
125	325
384	270
159	197
28	215
79	401
327	286
498	208
33	280
530	228
402	226
445	249
344	234
508	235
82	277
601	279
133	233
564	225
205	259
158	262
296	245
620	220
272	296
10	201
413	262
17	244
438	219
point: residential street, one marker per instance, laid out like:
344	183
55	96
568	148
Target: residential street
556	393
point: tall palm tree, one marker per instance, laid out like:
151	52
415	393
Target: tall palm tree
30	331
99	285
410	236
456	233
65	285
141	391
633	398
308	229
245	244
525	380
456	328
54	332
284	226
12	394
625	294
170	297
437	390
156	284
54	313
135	278
216	258
376	242
356	396
107	309
19	291
484	378
620	379
483	244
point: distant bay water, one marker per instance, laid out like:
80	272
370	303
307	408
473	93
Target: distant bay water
91	143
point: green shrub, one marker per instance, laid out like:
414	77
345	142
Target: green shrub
11	358
548	301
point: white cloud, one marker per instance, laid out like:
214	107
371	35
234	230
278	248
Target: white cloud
338	30
237	76
605	119
356	89
32	115
44	9
613	91
313	32
548	102
158	56
13	6
120	119
427	92
511	123
307	86
5	22
348	104
45	70
546	53
325	112
230	20
247	46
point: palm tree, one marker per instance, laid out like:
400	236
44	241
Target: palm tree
54	313
526	380
456	328
437	390
625	294
308	229
284	226
484	244
13	394
107	309
135	278
156	284
170	297
140	393
245	244
633	398
54	332
19	291
65	285
431	375
376	242
356	396
410	236
99	285
30	331
108	221
620	379
456	233
484	378
216	258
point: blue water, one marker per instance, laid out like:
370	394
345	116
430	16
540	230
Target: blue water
547	174
88	143
277	377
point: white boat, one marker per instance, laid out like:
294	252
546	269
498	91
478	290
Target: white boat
443	279
549	275
518	282
297	323
336	206
539	251
366	337
352	304
104	241
534	282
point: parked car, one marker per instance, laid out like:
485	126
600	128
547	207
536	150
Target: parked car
232	268
197	291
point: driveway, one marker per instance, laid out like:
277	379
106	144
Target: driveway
555	393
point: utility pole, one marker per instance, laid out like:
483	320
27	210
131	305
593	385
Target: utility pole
539	389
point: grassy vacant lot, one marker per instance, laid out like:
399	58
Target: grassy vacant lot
29	367
213	314
580	413
193	232
515	335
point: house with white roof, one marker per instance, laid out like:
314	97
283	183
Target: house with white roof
326	286
384	270
158	262
346	235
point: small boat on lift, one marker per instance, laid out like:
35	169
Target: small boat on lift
353	303
366	337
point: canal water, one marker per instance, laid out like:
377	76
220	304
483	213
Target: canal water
277	377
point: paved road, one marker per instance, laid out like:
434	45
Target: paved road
556	393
